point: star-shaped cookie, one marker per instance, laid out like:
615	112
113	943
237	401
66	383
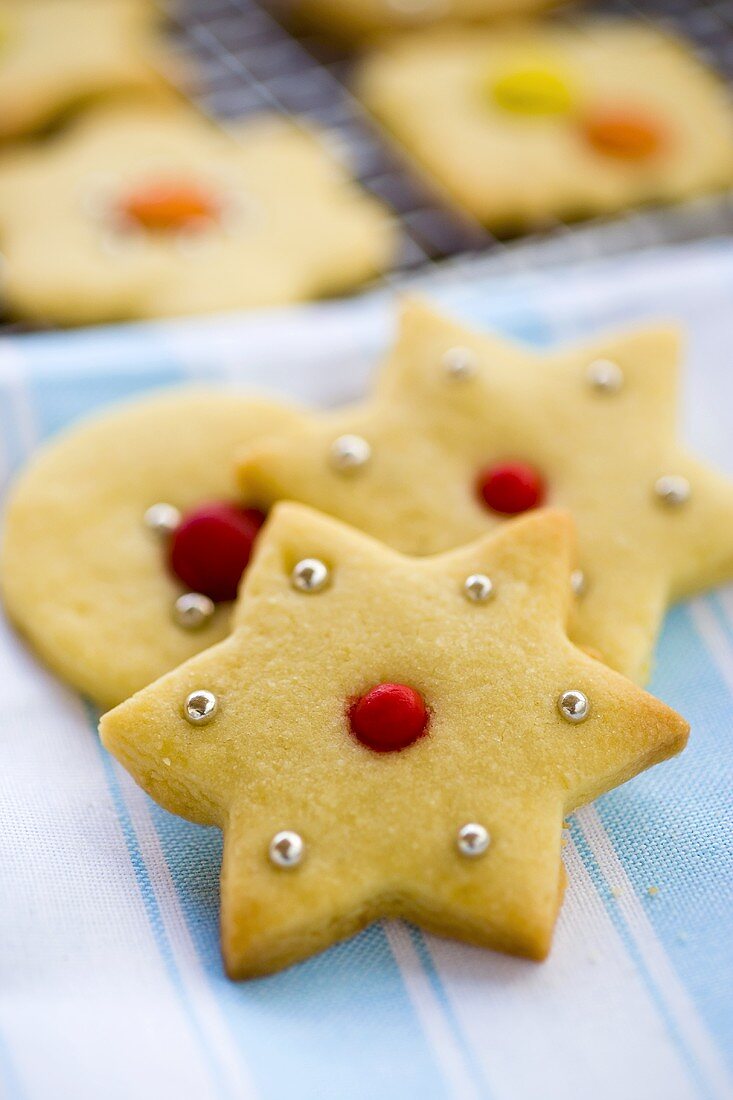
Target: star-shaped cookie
55	54
465	429
144	211
523	124
390	736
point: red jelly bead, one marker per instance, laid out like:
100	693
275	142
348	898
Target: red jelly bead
511	488
168	204
389	717
211	547
624	133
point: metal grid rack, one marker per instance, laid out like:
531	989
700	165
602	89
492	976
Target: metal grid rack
249	62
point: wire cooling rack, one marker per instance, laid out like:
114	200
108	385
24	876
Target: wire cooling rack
248	62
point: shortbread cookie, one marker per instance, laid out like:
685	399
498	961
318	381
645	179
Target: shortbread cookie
356	18
465	430
390	736
523	125
141	212
90	556
57	54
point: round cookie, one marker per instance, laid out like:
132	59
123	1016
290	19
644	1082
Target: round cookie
82	574
57	54
357	18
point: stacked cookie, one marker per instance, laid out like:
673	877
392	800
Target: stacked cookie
420	674
138	206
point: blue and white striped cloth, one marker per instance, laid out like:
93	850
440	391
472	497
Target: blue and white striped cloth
110	980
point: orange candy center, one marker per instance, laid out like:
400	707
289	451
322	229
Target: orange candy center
624	133
167	205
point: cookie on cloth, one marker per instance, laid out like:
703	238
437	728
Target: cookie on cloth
143	211
124	539
58	54
465	430
391	736
530	123
356	18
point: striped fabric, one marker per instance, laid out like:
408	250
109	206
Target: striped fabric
110	979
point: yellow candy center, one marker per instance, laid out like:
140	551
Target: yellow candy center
533	91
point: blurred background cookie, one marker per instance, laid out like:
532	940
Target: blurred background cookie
57	54
363	17
466	136
145	211
527	124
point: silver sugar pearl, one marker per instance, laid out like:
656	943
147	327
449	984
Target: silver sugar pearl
459	363
162	519
473	840
310	575
573	706
200	707
478	588
672	489
286	849
605	376
349	452
193	610
578	582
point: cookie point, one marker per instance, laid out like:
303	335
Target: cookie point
389	717
511	488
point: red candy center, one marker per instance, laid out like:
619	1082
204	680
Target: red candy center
624	133
511	488
211	547
168	204
389	717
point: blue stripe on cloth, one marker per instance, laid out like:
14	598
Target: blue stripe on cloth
325	1013
142	877
10	1085
59	401
604	891
81	352
474	1069
660	827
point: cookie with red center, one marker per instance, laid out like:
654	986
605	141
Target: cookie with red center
305	737
465	430
142	210
109	563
